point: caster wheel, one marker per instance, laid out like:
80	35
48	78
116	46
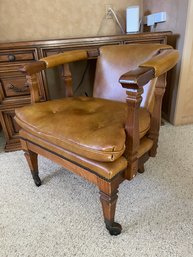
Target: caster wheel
141	170
37	180
114	228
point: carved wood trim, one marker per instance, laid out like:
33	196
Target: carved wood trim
133	100
17	89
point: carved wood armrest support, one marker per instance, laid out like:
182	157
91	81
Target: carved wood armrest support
156	114
133	82
161	63
133	100
31	69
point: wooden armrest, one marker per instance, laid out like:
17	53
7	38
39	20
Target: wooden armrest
66	57
162	62
31	69
54	60
136	78
150	69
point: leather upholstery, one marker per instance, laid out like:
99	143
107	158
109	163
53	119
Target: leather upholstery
90	127
121	59
106	170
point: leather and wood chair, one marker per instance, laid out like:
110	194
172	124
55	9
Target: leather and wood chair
106	138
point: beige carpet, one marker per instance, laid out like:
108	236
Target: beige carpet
63	217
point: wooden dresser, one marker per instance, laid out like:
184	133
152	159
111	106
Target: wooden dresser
14	90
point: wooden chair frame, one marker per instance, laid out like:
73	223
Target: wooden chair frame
133	82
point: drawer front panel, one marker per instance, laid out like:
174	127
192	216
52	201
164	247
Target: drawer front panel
15	56
15	86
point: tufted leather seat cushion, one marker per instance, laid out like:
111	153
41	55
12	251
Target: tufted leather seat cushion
90	127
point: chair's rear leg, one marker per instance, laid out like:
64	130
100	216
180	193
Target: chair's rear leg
32	159
108	198
153	150
141	169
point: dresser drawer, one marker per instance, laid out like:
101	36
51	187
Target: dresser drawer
13	88
17	56
16	86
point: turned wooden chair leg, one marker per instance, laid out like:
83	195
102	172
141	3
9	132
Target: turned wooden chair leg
108	198
32	160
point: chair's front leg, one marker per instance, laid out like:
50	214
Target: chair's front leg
108	198
109	206
31	158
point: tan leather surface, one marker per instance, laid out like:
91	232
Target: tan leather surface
65	57
105	169
90	127
117	60
162	62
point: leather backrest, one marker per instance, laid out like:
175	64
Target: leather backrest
116	60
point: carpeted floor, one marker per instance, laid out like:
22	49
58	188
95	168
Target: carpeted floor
63	217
